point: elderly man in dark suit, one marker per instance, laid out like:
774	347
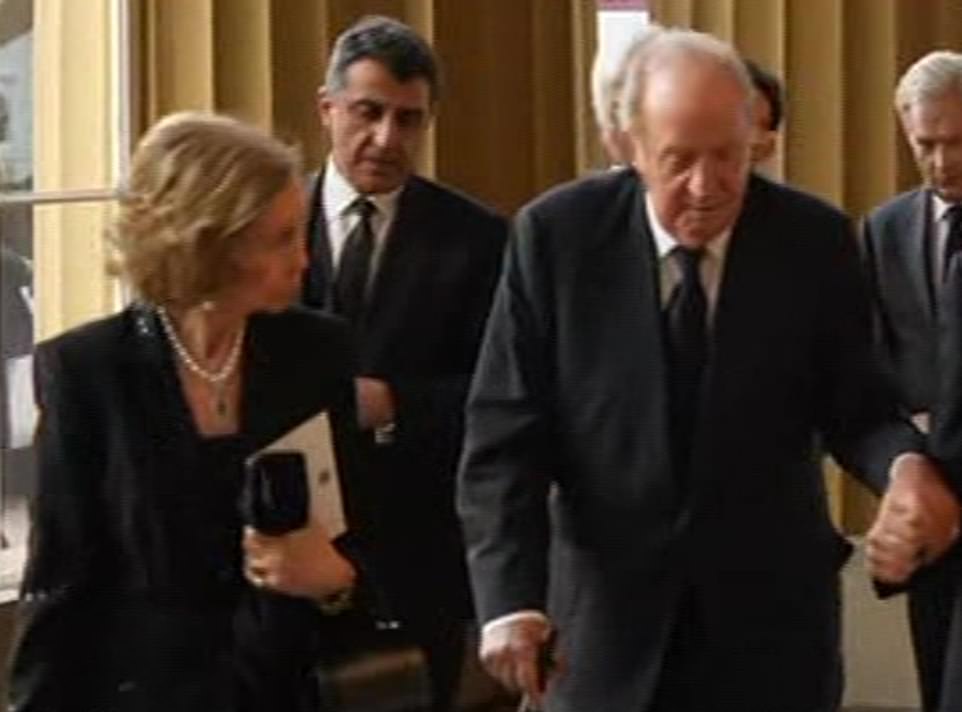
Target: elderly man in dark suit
639	473
909	243
412	265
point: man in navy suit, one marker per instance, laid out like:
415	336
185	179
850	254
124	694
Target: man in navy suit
909	243
412	265
639	473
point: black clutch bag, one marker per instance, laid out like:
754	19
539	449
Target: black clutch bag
367	663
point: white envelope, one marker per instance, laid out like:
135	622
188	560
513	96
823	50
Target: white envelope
313	439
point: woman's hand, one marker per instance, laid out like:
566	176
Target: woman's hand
302	563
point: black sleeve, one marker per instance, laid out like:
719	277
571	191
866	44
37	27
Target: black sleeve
430	407
504	477
55	628
945	440
863	426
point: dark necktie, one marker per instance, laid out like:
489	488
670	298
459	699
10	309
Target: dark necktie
953	239
354	267
688	351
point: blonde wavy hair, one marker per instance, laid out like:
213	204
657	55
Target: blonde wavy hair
197	180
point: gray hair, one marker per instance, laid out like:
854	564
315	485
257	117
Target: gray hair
608	77
400	49
931	77
669	44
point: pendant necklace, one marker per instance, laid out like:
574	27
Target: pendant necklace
217	379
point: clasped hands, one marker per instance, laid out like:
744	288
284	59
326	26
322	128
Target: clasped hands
917	521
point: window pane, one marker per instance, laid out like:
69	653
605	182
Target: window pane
58	95
52	278
16	95
16	393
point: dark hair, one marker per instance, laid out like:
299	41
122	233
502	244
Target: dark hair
768	85
395	45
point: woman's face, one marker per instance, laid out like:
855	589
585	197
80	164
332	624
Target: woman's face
273	259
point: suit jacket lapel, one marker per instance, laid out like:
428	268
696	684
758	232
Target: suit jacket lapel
919	251
402	271
318	279
168	424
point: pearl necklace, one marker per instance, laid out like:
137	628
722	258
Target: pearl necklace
217	379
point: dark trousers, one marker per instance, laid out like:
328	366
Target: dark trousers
711	668
443	639
935	615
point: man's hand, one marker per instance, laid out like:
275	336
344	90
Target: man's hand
509	652
375	403
918	520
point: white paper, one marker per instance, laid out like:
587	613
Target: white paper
313	439
21	408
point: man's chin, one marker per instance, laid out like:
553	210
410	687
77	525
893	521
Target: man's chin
379	181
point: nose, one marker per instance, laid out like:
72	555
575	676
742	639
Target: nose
939	159
386	132
703	180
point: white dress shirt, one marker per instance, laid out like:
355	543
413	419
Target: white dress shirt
711	266
939	226
337	197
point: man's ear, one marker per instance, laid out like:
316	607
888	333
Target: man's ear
638	157
324	103
763	147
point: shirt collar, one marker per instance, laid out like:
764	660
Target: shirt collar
665	242
940	207
339	194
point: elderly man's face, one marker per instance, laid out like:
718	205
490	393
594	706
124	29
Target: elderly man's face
376	124
693	142
933	128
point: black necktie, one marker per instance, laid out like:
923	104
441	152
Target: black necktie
953	239
688	351
354	267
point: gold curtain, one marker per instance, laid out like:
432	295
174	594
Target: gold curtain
840	60
512	115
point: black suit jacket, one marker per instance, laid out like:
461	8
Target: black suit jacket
420	333
896	252
133	597
570	391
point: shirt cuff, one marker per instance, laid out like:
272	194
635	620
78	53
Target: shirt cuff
527	614
895	461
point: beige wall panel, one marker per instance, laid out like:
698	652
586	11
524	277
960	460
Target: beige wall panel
420	15
180	60
300	41
814	83
759	32
671	13
917	28
949	25
553	94
242	60
589	153
717	17
343	13
484	130
870	129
